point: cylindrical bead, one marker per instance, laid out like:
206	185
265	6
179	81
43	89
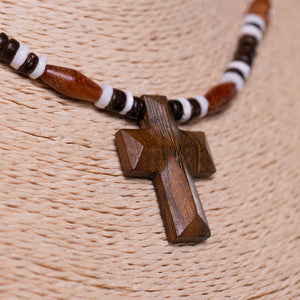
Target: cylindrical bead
128	104
203	104
220	95
196	108
9	50
117	102
187	109
177	109
246	49
71	83
239	67
30	64
255	20
138	109
3	41
20	56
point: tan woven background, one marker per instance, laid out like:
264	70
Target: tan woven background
72	227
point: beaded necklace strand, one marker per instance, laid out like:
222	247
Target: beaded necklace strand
159	150
71	83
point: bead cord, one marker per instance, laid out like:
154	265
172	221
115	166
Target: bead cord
20	58
74	84
251	32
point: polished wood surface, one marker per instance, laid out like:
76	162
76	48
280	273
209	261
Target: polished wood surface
220	96
170	157
261	8
71	83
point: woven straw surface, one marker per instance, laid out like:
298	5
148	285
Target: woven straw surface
72	227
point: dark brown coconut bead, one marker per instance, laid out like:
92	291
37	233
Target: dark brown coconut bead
9	50
176	108
219	96
30	64
71	83
3	41
246	49
117	101
138	109
196	108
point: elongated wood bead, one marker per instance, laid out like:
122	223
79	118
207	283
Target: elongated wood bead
71	83
261	8
220	95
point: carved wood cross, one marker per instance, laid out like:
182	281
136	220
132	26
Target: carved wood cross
170	157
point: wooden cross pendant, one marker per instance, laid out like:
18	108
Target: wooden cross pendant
170	157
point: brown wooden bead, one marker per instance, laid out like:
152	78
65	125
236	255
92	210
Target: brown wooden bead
117	102
71	83
9	50
219	96
30	64
138	109
3	41
170	157
261	8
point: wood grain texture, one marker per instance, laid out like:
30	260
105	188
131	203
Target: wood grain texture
170	157
220	96
71	83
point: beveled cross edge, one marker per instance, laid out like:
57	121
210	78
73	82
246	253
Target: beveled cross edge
170	157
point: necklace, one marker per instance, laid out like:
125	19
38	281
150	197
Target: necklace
159	150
